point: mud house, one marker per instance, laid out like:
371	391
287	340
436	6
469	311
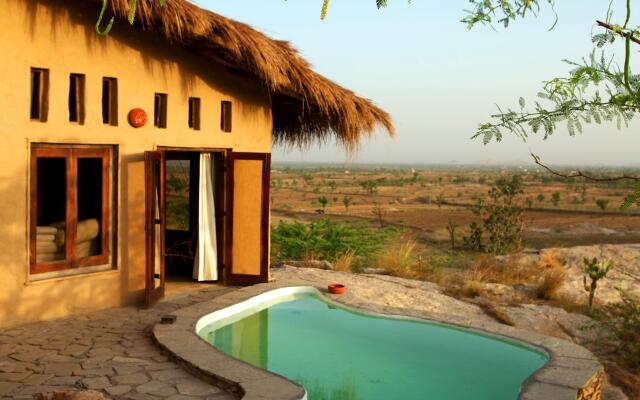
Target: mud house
92	126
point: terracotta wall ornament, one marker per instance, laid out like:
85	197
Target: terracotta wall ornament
137	117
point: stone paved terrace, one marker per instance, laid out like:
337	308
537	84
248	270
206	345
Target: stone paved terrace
111	351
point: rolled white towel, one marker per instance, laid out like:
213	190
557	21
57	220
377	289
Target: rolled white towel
87	230
46	230
88	248
45	237
47	247
41	258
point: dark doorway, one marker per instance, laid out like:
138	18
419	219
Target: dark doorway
182	174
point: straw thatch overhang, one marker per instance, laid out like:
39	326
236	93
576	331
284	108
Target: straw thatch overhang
307	107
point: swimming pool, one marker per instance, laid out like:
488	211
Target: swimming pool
336	353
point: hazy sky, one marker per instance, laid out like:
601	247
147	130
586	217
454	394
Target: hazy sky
437	79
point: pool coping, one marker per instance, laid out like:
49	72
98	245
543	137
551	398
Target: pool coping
572	372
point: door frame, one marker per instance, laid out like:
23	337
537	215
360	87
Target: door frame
221	209
240	279
153	294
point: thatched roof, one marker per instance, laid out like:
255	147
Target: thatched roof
307	107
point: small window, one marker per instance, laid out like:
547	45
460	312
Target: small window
110	101
76	98
160	111
194	113
225	117
39	94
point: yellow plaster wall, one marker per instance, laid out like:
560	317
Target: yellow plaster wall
46	34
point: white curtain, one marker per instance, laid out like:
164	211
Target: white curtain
205	266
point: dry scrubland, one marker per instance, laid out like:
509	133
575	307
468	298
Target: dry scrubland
397	221
425	201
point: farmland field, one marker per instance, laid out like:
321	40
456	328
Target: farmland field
558	212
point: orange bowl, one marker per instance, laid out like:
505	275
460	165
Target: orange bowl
336	288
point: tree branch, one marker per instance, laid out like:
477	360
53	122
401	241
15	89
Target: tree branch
613	29
580	174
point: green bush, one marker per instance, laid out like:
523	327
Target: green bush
620	324
326	240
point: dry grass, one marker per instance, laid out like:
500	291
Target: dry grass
399	260
552	276
307	107
345	262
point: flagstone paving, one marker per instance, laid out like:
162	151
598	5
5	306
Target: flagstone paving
110	351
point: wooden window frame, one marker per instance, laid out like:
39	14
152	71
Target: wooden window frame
160	101
194	113
110	101
72	154
76	98
226	116
42	99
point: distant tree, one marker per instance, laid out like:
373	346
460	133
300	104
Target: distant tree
307	178
602	204
369	186
474	240
502	216
346	201
540	197
555	199
379	213
451	228
440	199
529	202
323	201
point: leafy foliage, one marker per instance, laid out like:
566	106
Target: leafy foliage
502	216
474	240
325	240
487	12
325	7
602	204
596	89
133	5
621	323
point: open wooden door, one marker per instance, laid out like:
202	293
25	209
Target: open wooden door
154	164
247	239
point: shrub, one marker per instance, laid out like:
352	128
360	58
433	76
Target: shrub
602	204
502	217
326	240
624	323
551	281
347	201
595	270
323	201
555	198
474	240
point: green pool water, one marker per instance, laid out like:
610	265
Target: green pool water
338	354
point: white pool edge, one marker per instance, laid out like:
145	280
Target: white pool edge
257	302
